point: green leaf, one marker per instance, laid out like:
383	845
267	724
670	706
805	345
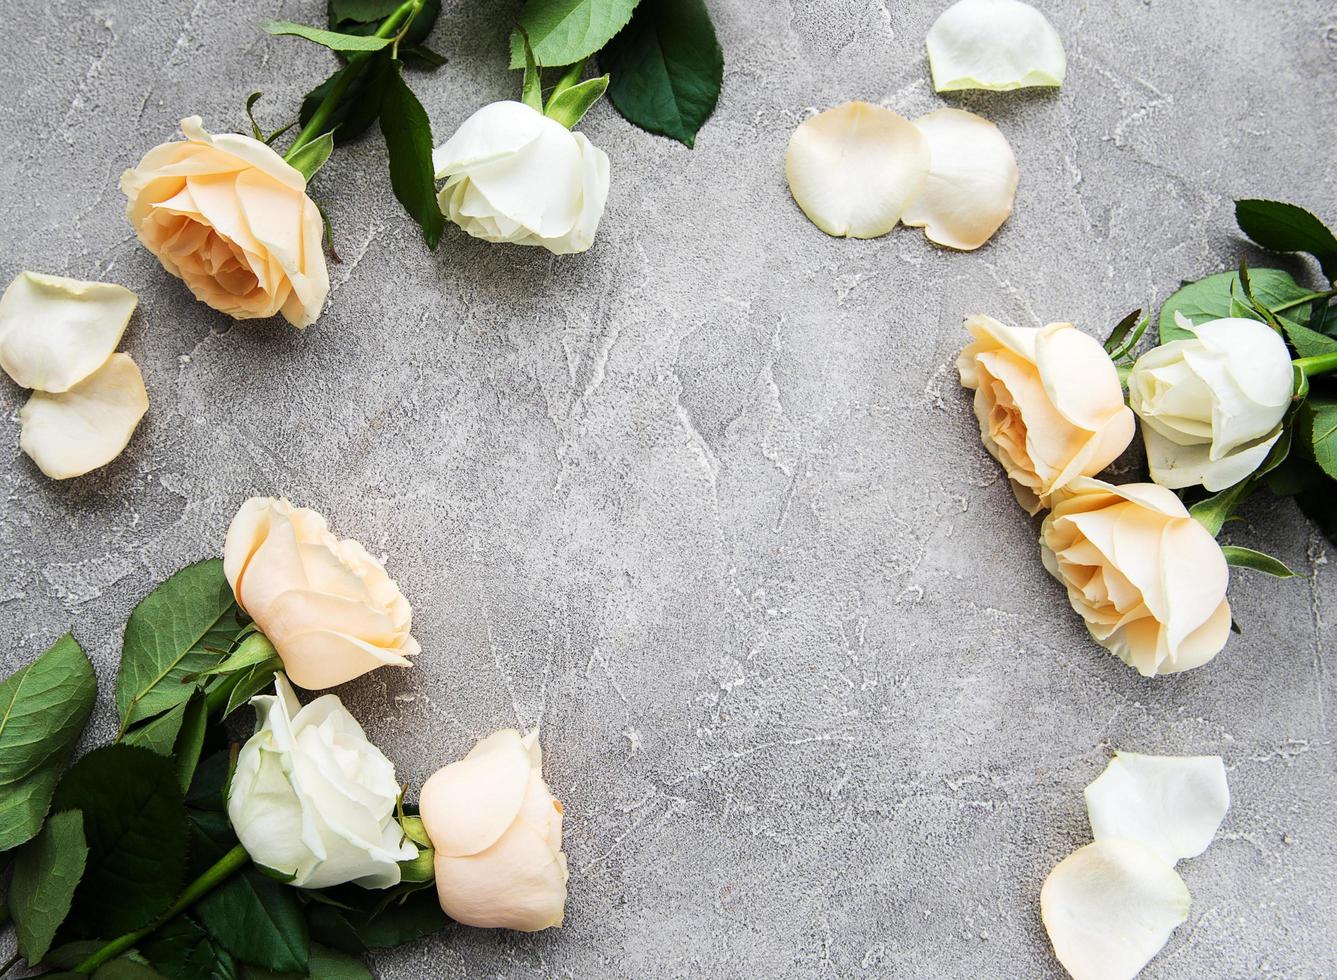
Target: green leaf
358	108
182	628
254	649
252	683
1317	504
126	969
183	950
1307	343
408	138
1284	227
531	89
45	875
312	156
361	11
667	68
422	57
190	743
43	708
67	956
135	823
159	734
1211	299
564	31
330	964
330	39
1259	562
259	921
417	913
1213	512
251	100
1319	416
359	16
569	106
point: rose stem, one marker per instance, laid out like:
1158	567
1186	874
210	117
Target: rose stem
315	127
226	866
1319	364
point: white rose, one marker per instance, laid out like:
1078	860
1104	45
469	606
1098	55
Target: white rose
1212	406
328	607
514	175
313	798
497	832
230	218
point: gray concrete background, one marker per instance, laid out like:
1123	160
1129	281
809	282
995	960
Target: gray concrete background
707	502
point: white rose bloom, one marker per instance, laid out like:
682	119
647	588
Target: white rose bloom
313	798
1212	406
515	175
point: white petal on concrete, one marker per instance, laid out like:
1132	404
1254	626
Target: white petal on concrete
1109	907
972	180
854	169
994	44
70	433
1172	804
54	332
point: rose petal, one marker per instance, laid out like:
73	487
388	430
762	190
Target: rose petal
519	883
494	131
994	44
1109	907
54	332
1172	804
70	433
855	168
972	180
469	804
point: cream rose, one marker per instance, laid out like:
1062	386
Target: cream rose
1211	406
1149	580
313	798
328	607
497	832
515	175
230	218
1049	404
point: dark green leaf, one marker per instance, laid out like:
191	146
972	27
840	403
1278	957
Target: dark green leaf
43	708
182	627
126	969
310	157
1213	512
1288	228
1324	319
564	31
1211	299
360	105
330	964
135	822
419	915
252	683
159	734
254	649
1307	343
1256	560
45	875
1121	331
1319	416
570	105
408	138
259	921
211	836
251	100
69	955
666	68
333	40
206	789
421	56
190	742
182	950
1317	504
359	16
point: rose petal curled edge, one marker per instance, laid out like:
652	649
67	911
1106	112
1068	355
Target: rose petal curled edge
994	44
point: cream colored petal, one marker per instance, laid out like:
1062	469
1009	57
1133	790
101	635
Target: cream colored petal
1019	340
493	132
72	432
519	883
1109	907
468	805
247	532
594	171
1079	377
1172	804
317	658
971	183
54	332
540	186
1202	644
249	151
994	44
274	568
1194	576
855	168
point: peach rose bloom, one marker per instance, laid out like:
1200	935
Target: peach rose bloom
1049	404
1149	580
328	607
230	218
497	832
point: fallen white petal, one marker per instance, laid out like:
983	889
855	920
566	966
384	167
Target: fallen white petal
54	332
70	433
854	169
994	44
972	180
1172	804
1109	907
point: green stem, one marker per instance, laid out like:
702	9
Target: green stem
402	16
1320	364
1311	297
226	866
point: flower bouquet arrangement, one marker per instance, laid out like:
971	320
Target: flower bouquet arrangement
174	851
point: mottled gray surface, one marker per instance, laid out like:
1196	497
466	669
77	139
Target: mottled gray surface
707	502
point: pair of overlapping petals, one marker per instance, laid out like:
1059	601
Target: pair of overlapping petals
231	219
58	336
514	175
859	169
328	607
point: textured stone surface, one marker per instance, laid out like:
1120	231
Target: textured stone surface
706	503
